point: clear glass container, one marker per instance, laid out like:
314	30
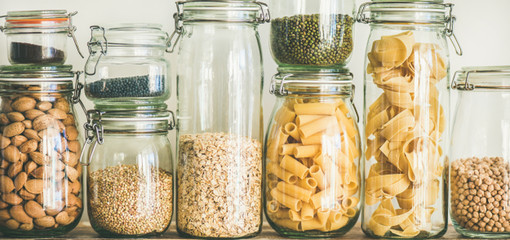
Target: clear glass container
219	79
312	156
311	34
479	171
39	36
129	173
406	113
126	68
40	175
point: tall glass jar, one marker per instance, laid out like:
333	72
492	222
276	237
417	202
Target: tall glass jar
38	37
406	112
219	78
312	156
479	172
40	175
126	68
129	173
311	34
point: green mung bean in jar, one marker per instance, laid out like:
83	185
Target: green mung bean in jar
312	35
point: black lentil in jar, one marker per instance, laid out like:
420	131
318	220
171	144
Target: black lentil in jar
312	39
135	86
26	53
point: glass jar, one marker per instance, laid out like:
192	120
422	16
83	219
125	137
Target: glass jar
39	37
129	173
219	79
406	113
311	34
126	68
479	171
312	156
40	178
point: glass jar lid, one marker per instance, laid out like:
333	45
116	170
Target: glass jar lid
482	78
130	122
222	11
426	12
44	20
312	83
41	79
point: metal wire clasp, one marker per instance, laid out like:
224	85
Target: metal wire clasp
265	15
450	22
179	28
70	32
97	48
92	130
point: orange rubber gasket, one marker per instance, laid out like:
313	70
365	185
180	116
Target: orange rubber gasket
35	21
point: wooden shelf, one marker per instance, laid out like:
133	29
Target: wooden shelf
84	231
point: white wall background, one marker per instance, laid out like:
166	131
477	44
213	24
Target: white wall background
482	29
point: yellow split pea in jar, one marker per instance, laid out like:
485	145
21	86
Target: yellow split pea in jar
312	156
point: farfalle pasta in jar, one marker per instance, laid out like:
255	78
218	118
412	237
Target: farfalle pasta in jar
406	100
312	156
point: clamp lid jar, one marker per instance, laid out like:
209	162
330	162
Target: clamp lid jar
479	153
130	174
126	68
39	37
40	176
312	156
310	34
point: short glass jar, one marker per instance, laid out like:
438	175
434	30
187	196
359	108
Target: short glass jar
127	69
130	174
311	34
480	169
312	156
40	175
38	37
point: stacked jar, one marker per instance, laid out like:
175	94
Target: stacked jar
220	74
406	113
40	175
312	147
129	157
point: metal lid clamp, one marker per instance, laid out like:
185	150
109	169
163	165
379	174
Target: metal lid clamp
92	130
71	30
449	19
264	17
97	48
466	85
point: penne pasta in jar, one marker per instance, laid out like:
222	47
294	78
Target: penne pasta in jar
312	159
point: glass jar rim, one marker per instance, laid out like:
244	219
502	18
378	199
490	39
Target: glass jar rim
482	78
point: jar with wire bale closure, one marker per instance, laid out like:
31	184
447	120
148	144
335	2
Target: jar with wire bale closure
312	156
40	175
38	37
130	180
480	169
406	113
127	69
306	34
